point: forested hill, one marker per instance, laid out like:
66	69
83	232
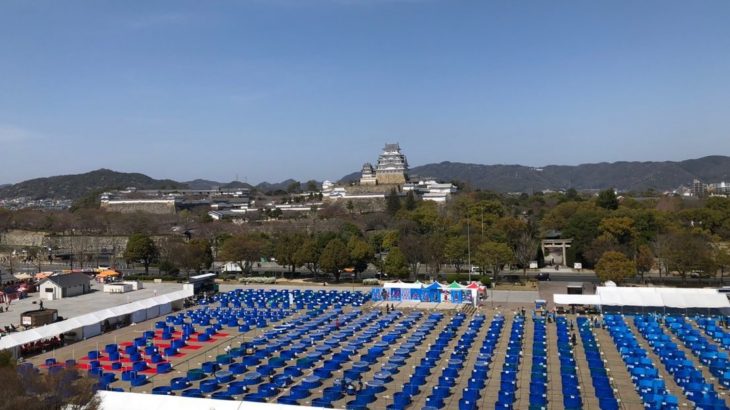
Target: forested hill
77	186
621	175
635	176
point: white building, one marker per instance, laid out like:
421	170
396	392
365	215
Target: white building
65	286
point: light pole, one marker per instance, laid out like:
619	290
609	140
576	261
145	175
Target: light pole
468	246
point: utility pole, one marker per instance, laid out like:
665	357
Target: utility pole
468	246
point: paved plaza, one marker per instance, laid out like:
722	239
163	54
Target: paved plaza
82	304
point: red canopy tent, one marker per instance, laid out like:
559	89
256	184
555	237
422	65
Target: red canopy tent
477	286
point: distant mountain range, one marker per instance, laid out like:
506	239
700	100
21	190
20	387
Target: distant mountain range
634	176
77	186
626	176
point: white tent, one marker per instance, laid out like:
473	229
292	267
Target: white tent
623	296
403	285
576	299
90	323
649	297
123	401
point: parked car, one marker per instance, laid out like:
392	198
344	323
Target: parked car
543	276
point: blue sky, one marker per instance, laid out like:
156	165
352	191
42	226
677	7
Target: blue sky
272	89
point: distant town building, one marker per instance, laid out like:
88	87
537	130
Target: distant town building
392	166
368	175
430	190
719	188
699	189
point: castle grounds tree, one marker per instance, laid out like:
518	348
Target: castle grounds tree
434	254
361	254
525	250
244	249
395	264
722	261
141	248
308	254
615	266
690	251
285	248
456	251
414	249
410	202
334	258
392	202
493	255
607	199
62	389
645	260
195	255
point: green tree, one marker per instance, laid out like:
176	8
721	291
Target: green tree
361	254
334	258
62	389
435	255
312	186
690	251
722	260
645	260
243	249
390	239
141	248
195	255
607	199
493	255
89	201
410	203
582	226
456	251
540	256
308	254
414	249
621	229
615	266
285	248
392	202
395	264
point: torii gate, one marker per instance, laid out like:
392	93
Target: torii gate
562	244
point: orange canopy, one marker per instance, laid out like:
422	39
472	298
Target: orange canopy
43	275
108	273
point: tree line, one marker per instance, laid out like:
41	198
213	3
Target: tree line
411	238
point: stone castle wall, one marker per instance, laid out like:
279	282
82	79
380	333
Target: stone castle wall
391	179
158	207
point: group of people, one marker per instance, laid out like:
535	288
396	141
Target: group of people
41	346
551	315
351	386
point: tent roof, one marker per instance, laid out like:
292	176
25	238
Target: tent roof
455	285
682	298
55	329
576	299
109	272
403	285
124	400
434	285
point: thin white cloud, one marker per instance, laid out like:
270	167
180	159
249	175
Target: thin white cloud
10	133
